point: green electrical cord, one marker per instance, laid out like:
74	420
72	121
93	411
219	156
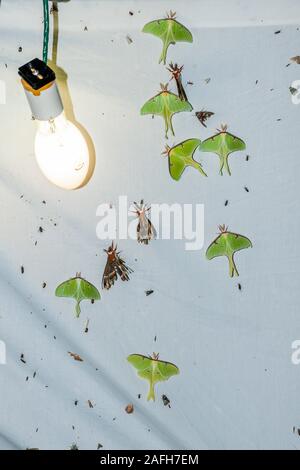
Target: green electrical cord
46	30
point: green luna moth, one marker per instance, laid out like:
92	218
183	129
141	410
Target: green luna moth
223	144
78	289
226	244
165	104
152	369
181	156
169	31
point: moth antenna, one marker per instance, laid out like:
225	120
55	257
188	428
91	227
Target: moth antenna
164	87
166	151
224	128
171	14
223	228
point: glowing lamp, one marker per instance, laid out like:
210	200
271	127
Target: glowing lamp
60	149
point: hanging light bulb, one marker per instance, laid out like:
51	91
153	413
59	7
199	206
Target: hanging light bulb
60	149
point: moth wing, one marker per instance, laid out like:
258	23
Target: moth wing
177	155
180	33
89	291
142	364
186	148
145	230
153	106
175	105
217	248
151	230
176	166
158	28
122	269
212	144
67	289
238	242
166	370
109	276
234	143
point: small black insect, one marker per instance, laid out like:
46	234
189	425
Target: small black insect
246	189
247	158
166	401
226	203
22	358
22	269
278	31
149	292
202	116
239	286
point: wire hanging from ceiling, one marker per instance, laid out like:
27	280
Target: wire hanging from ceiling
46	30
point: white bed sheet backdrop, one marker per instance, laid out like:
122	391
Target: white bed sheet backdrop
237	386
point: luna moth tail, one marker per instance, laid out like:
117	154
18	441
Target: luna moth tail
226	166
232	267
171	125
163	56
168	124
151	394
200	169
221	165
78	310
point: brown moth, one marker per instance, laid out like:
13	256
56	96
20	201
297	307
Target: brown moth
114	266
296	59
75	356
202	116
145	229
176	75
